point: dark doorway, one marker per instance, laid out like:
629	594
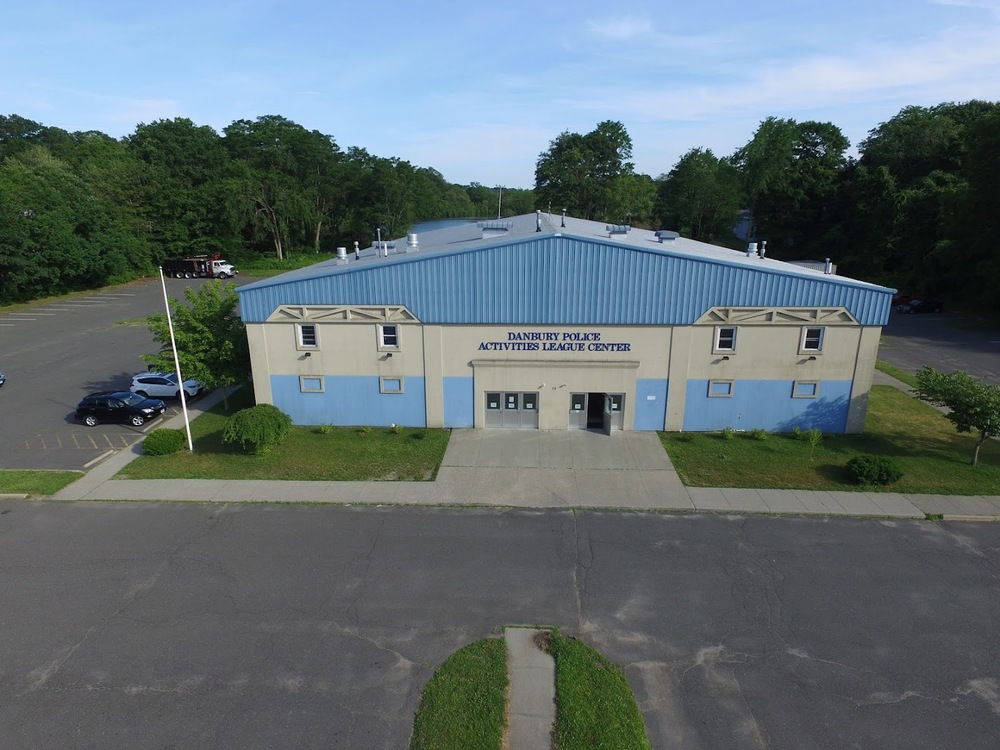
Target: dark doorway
595	411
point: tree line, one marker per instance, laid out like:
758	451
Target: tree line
82	210
917	208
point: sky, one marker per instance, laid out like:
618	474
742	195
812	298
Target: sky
479	91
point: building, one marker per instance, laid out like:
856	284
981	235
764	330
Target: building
549	322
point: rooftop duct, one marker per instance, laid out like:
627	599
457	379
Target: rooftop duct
613	229
495	228
667	235
412	243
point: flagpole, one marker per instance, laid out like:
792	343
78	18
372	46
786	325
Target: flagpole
177	363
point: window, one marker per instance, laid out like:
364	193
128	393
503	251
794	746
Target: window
812	339
388	337
311	384
805	389
720	388
493	402
390	385
725	339
307	336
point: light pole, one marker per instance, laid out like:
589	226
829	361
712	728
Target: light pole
177	363
499	200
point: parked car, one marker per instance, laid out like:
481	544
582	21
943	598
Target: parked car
162	385
3	379
920	306
118	406
901	299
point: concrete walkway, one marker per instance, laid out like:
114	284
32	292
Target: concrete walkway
531	707
532	469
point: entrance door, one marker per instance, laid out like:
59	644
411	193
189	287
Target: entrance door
614	411
512	410
578	411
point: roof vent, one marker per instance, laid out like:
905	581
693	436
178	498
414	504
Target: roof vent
341	256
613	229
494	228
412	243
751	249
667	235
763	248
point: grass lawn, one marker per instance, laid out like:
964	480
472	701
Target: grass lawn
934	457
464	704
335	454
35	482
595	706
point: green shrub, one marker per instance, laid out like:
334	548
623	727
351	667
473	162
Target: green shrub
873	470
324	429
758	434
257	429
814	436
396	429
162	441
797	432
364	431
727	433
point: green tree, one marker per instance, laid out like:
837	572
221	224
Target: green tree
56	233
701	196
180	200
973	405
580	173
790	172
289	187
211	338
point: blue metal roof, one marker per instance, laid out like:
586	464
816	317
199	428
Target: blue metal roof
570	275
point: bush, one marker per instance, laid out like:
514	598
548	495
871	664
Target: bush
727	433
162	441
873	470
257	429
758	434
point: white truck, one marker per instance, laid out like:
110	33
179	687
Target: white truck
211	266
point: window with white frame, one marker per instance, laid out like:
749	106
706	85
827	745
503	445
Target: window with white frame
306	333
725	339
388	337
720	388
311	384
390	385
812	340
805	389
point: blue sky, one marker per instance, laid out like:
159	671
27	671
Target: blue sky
478	91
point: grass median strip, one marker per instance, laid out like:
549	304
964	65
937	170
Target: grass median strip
17	482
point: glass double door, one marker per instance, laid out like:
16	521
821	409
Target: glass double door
597	411
512	410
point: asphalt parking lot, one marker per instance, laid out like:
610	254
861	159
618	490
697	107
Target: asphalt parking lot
151	625
55	353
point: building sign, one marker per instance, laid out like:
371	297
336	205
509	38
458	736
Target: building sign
554	341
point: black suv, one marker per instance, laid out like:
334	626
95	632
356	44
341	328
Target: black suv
118	406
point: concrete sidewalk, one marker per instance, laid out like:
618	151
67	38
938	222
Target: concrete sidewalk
531	469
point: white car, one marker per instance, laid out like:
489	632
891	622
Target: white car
162	384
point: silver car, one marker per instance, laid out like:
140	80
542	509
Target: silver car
162	385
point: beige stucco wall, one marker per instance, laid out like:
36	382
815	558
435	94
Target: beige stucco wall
679	354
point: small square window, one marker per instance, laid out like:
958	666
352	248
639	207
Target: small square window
307	336
390	385
725	339
805	389
812	339
720	388
388	337
311	384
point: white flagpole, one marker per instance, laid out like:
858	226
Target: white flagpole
177	363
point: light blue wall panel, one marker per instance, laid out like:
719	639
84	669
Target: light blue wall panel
351	400
561	281
767	405
650	404
459	402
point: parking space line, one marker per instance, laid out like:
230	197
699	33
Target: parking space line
99	458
